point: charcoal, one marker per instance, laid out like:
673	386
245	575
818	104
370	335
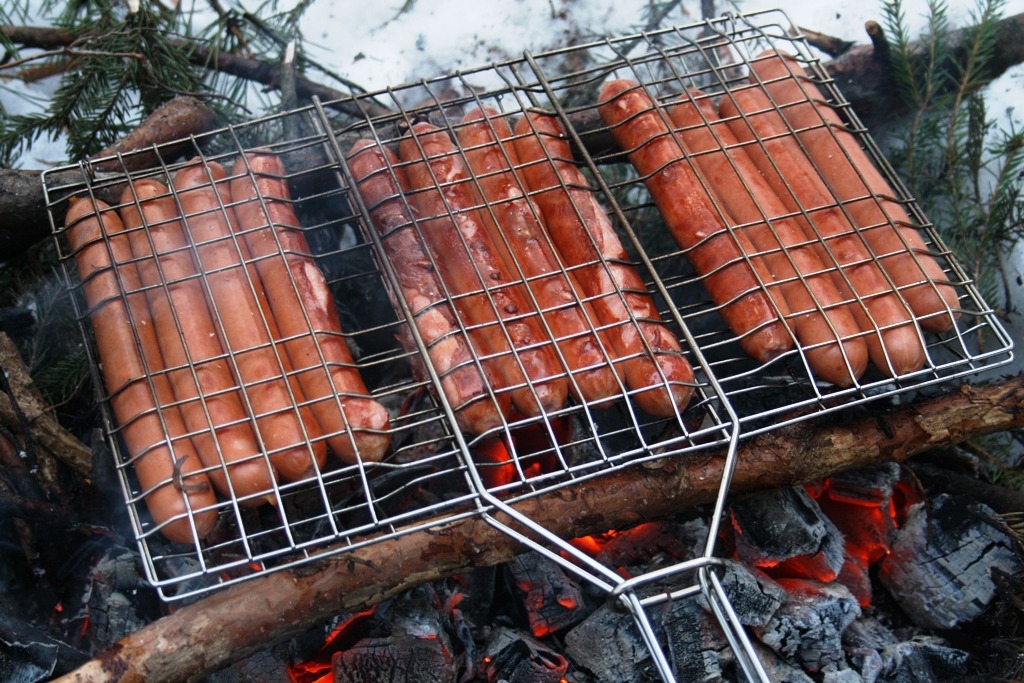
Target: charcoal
860	504
777	668
113	598
923	660
868	633
841	676
636	546
395	660
418	649
267	665
869	484
515	657
867	662
942	559
552	599
25	659
694	642
754	596
608	645
786	530
809	625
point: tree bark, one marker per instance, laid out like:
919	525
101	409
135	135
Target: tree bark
23	216
227	626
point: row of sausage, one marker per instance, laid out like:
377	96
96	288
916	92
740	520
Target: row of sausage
219	341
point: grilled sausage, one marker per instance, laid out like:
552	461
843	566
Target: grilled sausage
486	295
823	323
657	373
304	310
867	195
175	488
288	432
519	237
382	184
894	343
210	401
696	224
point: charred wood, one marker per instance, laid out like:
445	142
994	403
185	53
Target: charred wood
208	635
784	529
942	561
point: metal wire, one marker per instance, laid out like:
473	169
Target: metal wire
434	472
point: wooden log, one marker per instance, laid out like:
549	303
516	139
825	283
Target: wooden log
862	73
209	634
23	215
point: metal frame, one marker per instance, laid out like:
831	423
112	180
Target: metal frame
349	506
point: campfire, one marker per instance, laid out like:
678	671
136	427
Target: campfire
703	488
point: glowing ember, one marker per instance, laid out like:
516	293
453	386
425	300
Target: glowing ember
318	668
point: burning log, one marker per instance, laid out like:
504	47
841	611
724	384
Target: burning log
785	532
552	599
513	656
227	626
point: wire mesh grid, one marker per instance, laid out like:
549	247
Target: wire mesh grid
475	421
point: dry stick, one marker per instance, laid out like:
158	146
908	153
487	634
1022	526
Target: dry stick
227	626
24	412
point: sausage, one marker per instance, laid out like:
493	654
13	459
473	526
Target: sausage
211	404
485	294
519	237
657	373
867	195
824	325
288	433
696	224
174	486
894	342
356	425
465	383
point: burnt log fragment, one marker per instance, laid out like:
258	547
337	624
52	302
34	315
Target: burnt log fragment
515	657
785	532
609	647
695	644
754	596
552	600
417	650
808	626
942	560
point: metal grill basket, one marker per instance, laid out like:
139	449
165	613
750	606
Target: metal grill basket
433	472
